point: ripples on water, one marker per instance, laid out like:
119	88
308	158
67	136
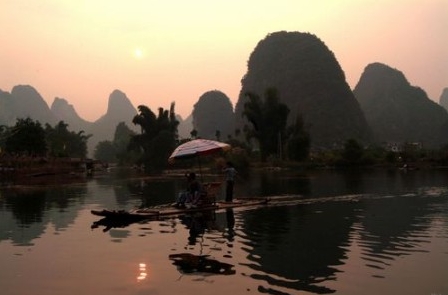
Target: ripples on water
344	236
306	246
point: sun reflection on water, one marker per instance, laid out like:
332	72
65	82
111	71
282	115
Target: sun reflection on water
142	272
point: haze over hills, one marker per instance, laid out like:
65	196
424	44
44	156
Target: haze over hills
213	112
67	113
443	101
310	82
7	116
25	101
397	111
119	109
185	126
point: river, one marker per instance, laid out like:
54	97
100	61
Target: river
352	232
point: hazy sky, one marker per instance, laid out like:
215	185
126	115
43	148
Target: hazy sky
162	51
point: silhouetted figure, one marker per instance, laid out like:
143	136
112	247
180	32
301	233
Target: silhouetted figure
192	194
230	172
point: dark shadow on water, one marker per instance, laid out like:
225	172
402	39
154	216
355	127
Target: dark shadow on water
300	245
31	209
188	263
197	224
110	223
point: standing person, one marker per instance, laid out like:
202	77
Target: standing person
230	172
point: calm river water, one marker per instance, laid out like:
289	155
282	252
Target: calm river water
369	232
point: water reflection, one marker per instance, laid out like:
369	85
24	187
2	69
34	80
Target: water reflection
188	263
230	231
393	227
300	247
110	223
348	224
26	211
142	273
197	224
303	247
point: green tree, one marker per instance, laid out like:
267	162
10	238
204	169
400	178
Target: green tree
157	139
299	141
105	151
4	131
64	143
352	152
79	144
26	137
122	138
237	133
117	150
268	119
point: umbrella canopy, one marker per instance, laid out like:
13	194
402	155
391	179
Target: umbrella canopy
198	147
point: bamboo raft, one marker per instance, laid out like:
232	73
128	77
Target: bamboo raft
155	213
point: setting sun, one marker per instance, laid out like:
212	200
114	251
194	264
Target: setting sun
204	45
138	53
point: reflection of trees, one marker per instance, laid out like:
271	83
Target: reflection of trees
153	191
268	183
392	227
301	244
28	207
150	191
34	208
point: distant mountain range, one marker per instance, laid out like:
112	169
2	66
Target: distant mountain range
398	112
444	99
24	101
383	107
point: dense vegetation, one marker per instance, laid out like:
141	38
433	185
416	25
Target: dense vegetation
117	151
64	143
24	101
152	147
268	119
158	137
29	138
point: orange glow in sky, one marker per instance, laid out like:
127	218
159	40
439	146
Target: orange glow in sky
162	51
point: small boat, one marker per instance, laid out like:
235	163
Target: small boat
165	211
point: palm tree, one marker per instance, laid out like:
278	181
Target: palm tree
158	136
268	119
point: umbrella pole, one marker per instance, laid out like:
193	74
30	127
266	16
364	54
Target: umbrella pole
200	171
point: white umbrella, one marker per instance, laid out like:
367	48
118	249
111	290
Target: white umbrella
198	147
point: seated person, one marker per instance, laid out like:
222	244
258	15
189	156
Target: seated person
192	194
